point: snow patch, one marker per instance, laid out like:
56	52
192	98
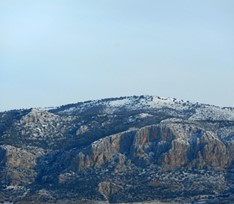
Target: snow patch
144	115
119	103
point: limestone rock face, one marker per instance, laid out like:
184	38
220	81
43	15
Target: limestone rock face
167	145
20	164
105	149
150	144
127	149
212	152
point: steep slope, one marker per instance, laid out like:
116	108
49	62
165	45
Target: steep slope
118	150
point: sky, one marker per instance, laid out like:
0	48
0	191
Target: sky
55	52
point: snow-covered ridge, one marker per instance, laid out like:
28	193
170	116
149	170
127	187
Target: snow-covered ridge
172	106
131	102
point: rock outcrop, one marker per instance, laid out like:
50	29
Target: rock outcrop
168	145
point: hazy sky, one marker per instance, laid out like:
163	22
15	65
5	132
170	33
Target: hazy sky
54	52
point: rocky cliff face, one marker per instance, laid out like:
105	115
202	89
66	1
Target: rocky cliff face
118	150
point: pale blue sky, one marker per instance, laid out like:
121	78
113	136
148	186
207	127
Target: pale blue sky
54	52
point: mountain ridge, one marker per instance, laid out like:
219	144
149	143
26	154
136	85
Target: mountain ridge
125	149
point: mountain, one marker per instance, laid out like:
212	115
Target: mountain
118	150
